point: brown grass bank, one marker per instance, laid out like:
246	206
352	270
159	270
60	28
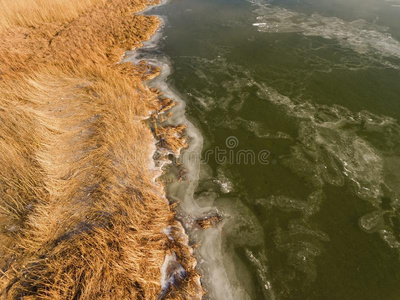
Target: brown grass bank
80	215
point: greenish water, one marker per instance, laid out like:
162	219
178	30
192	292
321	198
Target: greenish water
313	85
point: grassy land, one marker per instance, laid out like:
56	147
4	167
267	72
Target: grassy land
35	12
80	216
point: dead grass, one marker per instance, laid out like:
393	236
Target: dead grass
36	12
80	216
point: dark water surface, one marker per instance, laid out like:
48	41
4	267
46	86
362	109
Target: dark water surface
301	102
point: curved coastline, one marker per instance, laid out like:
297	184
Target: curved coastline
207	241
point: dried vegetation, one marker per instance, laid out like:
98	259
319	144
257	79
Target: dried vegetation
80	214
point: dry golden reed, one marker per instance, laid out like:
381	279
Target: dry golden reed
80	214
35	12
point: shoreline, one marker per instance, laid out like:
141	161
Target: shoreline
176	117
78	200
206	236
